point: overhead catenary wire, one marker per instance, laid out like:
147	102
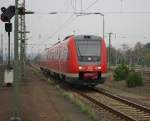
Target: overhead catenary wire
62	26
91	5
81	6
71	19
74	8
121	9
127	12
73	4
104	12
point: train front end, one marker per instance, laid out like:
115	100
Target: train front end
91	60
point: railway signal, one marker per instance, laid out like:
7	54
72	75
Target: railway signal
8	13
6	16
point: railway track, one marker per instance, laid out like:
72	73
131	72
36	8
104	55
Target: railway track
122	108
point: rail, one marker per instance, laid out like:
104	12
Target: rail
122	108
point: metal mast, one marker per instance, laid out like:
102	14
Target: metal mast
15	115
19	42
22	40
109	57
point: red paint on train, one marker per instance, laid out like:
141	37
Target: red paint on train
77	59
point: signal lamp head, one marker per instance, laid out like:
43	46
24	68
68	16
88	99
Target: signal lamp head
4	18
12	9
7	13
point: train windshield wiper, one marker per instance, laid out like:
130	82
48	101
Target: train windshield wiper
79	52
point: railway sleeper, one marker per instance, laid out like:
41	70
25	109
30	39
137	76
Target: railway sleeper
139	117
131	112
122	107
126	107
143	118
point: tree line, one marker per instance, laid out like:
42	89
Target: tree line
138	55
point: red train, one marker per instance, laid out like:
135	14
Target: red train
79	59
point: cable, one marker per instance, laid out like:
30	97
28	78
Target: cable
66	23
91	5
121	9
128	12
73	4
62	26
105	12
59	28
81	6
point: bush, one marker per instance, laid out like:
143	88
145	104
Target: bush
121	72
134	79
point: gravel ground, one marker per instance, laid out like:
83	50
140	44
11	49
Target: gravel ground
40	101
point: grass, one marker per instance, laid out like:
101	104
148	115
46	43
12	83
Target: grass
82	106
65	119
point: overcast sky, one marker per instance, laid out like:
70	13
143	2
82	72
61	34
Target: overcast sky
128	20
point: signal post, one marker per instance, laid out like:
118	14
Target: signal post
19	31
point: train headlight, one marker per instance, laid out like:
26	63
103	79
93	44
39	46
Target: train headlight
99	67
80	68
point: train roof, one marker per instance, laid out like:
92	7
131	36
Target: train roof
93	37
77	37
80	37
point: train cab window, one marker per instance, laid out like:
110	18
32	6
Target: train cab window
88	50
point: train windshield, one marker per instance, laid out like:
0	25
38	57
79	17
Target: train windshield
88	51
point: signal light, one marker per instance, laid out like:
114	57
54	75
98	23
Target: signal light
7	13
4	18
